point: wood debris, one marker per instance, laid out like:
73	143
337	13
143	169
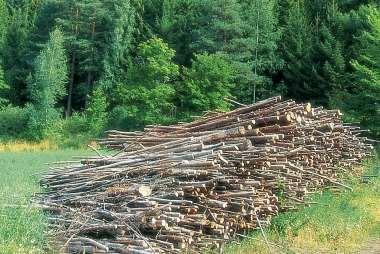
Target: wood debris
194	186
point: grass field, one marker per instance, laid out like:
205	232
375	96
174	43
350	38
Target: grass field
22	227
337	224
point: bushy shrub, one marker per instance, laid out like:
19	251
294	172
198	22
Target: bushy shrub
122	117
40	119
71	132
360	107
13	121
96	112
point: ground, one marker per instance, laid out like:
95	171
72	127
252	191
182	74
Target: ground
371	247
345	222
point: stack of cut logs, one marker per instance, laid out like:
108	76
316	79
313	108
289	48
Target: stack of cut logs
193	186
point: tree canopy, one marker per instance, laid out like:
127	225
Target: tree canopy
166	60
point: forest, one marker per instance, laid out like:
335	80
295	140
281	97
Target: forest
70	69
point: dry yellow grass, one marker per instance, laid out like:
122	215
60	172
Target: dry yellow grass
23	146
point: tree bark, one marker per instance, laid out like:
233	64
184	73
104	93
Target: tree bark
72	71
71	84
89	74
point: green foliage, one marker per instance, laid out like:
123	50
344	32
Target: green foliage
73	132
246	33
364	100
220	26
314	50
117	56
367	66
148	95
47	86
180	18
206	84
96	112
154	59
4	90
120	118
297	49
15	53
3	21
51	72
262	44
315	66
13	121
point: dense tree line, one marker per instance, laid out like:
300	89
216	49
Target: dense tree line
70	67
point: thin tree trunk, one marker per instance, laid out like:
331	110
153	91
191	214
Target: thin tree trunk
256	54
89	74
71	85
88	87
72	70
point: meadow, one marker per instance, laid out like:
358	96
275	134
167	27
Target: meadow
22	226
335	223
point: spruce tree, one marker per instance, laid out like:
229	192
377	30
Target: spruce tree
297	50
366	94
313	53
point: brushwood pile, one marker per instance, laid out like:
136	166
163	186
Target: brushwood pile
194	186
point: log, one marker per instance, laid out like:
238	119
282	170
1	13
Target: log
187	187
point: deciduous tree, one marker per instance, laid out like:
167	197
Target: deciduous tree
47	86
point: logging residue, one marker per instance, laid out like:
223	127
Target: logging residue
194	186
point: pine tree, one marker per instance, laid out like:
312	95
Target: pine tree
315	64
48	84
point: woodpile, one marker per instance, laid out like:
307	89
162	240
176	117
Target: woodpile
193	186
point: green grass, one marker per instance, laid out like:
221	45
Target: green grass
338	223
22	227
